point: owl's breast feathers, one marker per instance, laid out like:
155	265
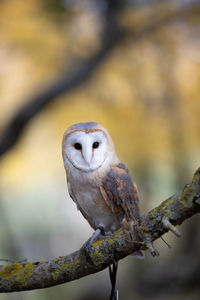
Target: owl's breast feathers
121	195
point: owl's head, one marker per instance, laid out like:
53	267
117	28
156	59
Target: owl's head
87	146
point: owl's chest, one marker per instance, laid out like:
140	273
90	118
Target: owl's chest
93	206
89	199
87	196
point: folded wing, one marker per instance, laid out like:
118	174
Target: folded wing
121	195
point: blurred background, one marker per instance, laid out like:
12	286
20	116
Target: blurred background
131	65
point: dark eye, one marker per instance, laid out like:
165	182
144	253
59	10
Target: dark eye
95	145
77	146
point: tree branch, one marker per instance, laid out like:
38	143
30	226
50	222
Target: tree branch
37	275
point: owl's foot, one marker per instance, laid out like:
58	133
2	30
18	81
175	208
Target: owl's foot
95	236
99	231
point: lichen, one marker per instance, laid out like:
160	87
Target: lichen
18	272
63	268
114	238
154	215
166	203
144	229
187	195
60	268
25	274
8	272
190	191
97	243
97	258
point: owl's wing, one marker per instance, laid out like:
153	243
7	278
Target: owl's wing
121	195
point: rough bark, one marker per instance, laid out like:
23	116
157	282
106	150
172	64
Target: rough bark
89	260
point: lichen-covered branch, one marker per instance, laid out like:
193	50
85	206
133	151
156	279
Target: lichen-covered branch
37	275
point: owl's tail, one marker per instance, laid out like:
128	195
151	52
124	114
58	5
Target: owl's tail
113	277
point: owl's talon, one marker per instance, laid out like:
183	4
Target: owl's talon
99	231
88	244
169	226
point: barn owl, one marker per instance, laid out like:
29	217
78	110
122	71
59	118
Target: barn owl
98	182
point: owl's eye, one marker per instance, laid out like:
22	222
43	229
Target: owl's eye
77	146
95	145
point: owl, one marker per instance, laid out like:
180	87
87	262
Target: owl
98	182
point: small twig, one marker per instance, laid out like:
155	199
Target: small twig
13	261
168	245
7	260
151	248
170	227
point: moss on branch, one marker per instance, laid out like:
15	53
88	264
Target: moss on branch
37	275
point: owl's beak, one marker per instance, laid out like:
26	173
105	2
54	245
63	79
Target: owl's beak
87	155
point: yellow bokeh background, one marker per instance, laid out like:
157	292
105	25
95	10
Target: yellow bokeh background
146	93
